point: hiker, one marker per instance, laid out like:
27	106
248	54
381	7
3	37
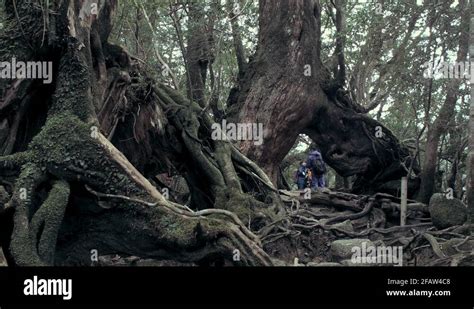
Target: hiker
301	175
318	167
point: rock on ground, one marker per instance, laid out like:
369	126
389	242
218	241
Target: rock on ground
323	264
446	212
342	249
349	262
277	262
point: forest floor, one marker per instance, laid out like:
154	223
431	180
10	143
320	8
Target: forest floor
330	228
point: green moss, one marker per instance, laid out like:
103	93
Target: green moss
59	137
73	92
51	213
66	146
19	35
241	204
176	230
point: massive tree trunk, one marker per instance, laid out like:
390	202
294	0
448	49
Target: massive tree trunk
73	190
445	115
275	90
288	90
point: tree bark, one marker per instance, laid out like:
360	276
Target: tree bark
75	191
289	91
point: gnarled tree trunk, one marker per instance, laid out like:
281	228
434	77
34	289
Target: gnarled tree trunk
288	90
74	191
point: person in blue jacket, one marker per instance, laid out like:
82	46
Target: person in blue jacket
318	167
301	175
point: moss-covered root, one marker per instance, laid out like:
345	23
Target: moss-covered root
22	250
250	253
47	221
13	162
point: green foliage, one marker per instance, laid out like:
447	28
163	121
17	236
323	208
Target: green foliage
168	24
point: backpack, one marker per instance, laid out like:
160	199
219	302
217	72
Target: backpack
319	167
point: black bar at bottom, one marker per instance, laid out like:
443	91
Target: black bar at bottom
288	285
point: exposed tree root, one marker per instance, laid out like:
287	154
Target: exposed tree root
13	162
47	220
23	247
69	153
366	217
112	173
358	215
218	175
